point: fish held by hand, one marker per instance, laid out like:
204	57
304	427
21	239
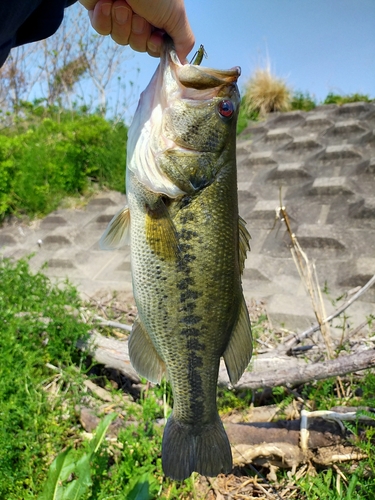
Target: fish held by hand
188	248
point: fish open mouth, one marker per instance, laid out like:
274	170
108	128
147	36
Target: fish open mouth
194	76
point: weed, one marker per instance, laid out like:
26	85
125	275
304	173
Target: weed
302	101
38	330
266	93
345	99
68	464
48	156
234	400
245	116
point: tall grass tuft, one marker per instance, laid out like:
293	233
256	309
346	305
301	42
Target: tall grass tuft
265	93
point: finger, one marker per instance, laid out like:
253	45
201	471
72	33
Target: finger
140	33
155	43
88	4
183	38
170	16
101	19
121	22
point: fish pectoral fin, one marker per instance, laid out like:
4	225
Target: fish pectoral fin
143	354
238	353
244	242
161	233
117	233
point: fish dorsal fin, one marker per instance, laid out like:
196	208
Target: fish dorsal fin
143	354
117	233
244	242
161	233
238	353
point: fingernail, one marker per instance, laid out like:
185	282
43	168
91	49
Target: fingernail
106	9
121	14
152	47
138	25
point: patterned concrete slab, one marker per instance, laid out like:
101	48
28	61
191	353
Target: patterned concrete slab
321	163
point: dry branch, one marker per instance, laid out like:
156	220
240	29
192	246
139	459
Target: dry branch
302	374
113	324
110	352
114	354
309	277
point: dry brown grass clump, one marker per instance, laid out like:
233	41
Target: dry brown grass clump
266	93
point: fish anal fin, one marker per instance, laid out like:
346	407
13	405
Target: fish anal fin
238	353
161	234
143	354
117	233
244	242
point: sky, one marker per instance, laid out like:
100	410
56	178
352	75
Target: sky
317	46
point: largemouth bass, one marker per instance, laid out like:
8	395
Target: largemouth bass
188	247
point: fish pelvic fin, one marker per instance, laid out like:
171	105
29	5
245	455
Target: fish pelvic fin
161	233
143	355
244	242
117	233
238	353
186	449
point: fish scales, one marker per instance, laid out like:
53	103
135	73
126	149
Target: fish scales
188	247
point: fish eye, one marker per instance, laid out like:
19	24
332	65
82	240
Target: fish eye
226	108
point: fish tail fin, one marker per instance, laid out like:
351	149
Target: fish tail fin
186	450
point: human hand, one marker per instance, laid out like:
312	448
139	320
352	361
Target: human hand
141	23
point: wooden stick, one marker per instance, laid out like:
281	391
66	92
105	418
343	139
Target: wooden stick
113	324
300	375
114	353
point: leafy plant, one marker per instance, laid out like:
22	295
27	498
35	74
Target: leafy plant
229	400
54	153
68	463
302	101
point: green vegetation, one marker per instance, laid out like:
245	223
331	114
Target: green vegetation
41	384
245	116
345	99
302	101
67	463
265	93
43	450
38	329
47	153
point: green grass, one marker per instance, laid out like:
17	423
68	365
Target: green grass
37	328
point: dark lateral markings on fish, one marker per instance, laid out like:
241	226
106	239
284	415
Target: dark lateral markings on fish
188	248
